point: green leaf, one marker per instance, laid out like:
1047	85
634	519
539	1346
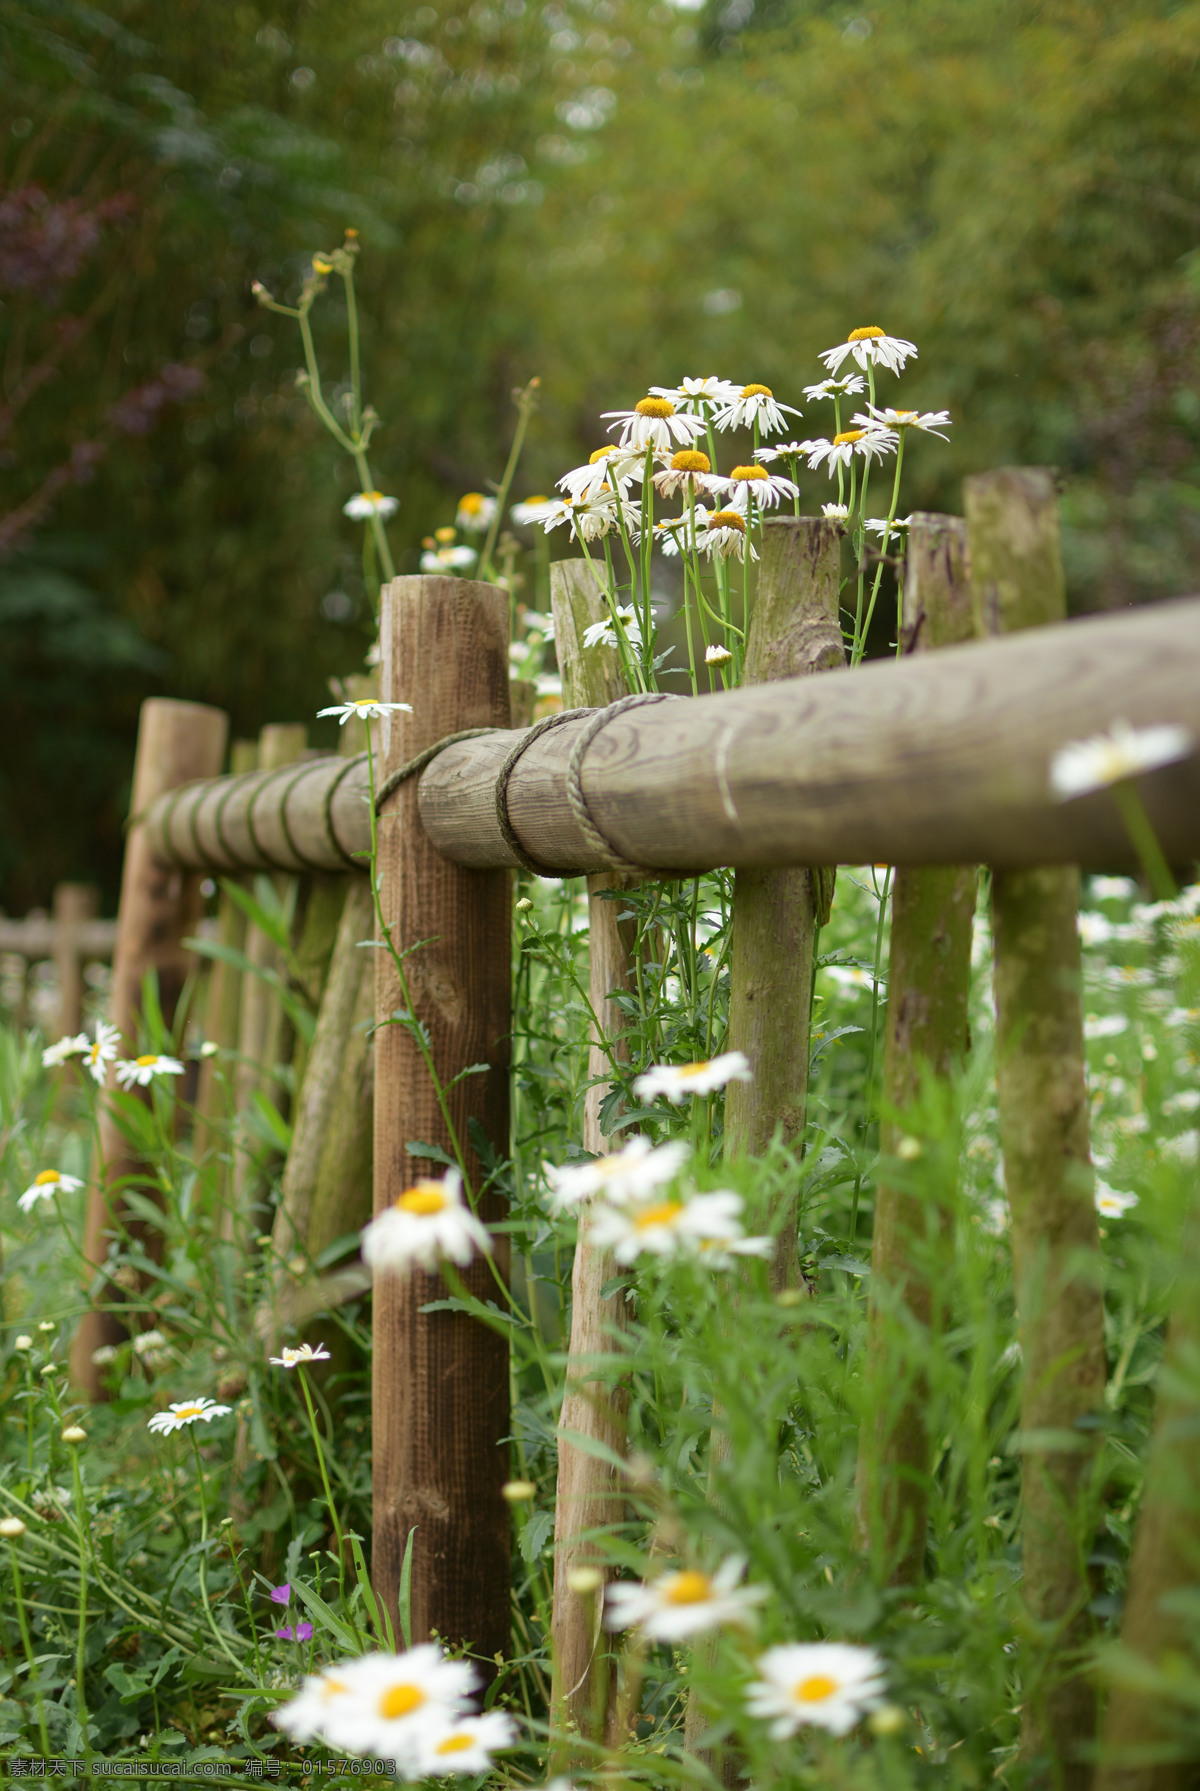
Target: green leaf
535	1535
433	1152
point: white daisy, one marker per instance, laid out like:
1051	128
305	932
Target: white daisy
667	1227
591	518
723	534
688	469
370	503
755	404
781	451
930	422
835	512
139	1072
466	1746
1087	765
870	346
187	1411
306	1716
655	423
850	385
627	1174
755	482
1113	1203
102	1051
684	1603
475	513
304	1352
384	1705
66	1047
449	559
607	468
530	511
596	632
679	1080
871	444
693	394
152	1348
721	1253
365	709
45	1186
829	1684
424	1226
879	525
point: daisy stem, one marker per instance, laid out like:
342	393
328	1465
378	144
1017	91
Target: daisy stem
352	338
27	1642
1145	841
872	1039
525	408
222	1644
647	545
332	1508
687	608
84	1534
860	643
608	587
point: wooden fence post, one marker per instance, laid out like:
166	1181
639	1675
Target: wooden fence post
1017	583
929	981
778	914
73	903
223	998
588	1493
440	1379
176	743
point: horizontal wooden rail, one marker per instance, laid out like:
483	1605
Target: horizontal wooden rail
39	936
941	759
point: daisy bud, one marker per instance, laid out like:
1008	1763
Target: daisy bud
47	1324
717	656
524	905
74	1435
788	1296
12	1527
23	1341
889	1719
909	1149
585	1580
518	1492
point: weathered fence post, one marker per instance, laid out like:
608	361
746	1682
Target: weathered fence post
440	1386
73	903
223	998
929	981
589	1494
176	743
778	914
1017	583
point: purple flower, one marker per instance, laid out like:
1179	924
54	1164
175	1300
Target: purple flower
301	1633
281	1594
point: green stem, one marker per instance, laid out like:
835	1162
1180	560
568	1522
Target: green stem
337	1528
525	408
872	1042
81	1632
222	1644
27	1641
1145	840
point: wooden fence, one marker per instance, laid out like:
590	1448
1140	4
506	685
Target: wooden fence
939	759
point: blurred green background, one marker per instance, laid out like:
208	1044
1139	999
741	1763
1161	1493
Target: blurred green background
603	193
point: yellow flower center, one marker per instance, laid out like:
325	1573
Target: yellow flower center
690	460
727	519
94	1053
455	1744
603	453
321	266
869	333
819	1686
423	1200
189	1411
331	1687
143	1061
753	391
46	1177
539	499
400	1700
904	416
444	535
472	503
373	497
687	1588
654	407
749	472
664	1214
695	1069
847	436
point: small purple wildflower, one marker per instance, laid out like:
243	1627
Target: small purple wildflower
281	1594
301	1633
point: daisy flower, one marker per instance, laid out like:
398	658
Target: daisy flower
306	1716
693	394
423	1226
755	404
152	1347
45	1186
607	467
592	518
655	423
381	1704
879	525
685	1603
596	632
835	512
466	1746
687	468
931	422
370	503
449	559
101	1052
187	1411
829	1684
870	443
530	511
365	708
723	533
628	1174
1112	1203
755	482
1086	765
140	1071
290	1358
713	655
850	385
721	1253
781	451
668	1227
870	346
66	1047
475	512
679	1080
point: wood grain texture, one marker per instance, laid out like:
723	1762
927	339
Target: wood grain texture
929	975
1016	575
440	1380
588	1493
159	907
223	996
